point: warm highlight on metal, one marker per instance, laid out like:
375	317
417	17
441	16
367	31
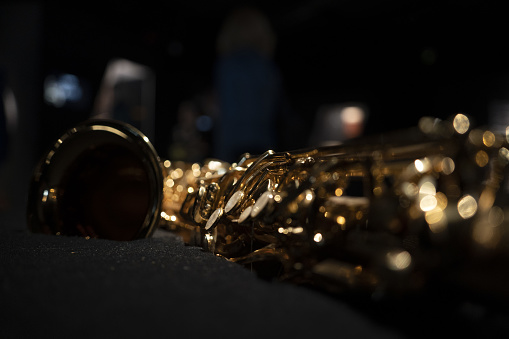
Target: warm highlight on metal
392	214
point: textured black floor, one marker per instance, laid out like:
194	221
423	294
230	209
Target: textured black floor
69	287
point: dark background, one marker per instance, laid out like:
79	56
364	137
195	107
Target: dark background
403	59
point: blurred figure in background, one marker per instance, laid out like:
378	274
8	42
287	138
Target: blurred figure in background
248	86
334	125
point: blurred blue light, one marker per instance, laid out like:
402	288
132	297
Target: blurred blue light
61	89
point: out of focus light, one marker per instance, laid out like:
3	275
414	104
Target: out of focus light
352	115
428	203
488	138
503	153
398	260
441	200
426	124
481	158
419	165
447	165
214	165
467	206
496	216
410	189
436	220
427	188
475	136
168	217
62	89
45	195
338	192
422	165
177	173
318	237
461	123
309	196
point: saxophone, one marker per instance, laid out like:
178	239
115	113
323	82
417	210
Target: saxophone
392	214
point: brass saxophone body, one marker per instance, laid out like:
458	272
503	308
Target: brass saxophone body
394	213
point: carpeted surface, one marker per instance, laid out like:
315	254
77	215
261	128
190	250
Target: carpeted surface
68	287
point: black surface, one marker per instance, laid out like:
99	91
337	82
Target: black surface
71	287
63	287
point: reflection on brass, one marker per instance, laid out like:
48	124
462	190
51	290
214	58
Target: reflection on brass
394	213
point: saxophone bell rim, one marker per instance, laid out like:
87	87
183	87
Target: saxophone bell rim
43	210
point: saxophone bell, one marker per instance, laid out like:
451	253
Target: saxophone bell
101	179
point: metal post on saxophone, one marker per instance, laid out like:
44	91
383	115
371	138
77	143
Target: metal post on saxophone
393	213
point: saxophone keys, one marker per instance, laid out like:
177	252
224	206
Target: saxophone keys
265	200
245	214
214	219
233	201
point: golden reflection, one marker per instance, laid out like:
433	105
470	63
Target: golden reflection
423	186
486	200
338	192
392	205
481	158
467	206
461	123
488	138
441	200
377	190
341	221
